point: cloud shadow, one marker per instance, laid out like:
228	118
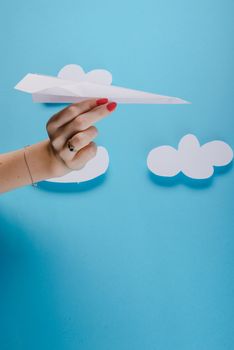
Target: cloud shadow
181	179
73	187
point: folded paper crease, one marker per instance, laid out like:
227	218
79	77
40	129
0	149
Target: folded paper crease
73	85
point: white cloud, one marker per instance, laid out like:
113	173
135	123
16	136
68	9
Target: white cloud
193	160
94	168
76	73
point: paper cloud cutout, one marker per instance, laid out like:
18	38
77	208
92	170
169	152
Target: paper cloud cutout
76	73
94	168
193	160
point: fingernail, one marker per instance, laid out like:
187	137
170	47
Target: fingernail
101	101
111	106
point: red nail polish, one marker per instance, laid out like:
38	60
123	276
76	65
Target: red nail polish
111	106
101	101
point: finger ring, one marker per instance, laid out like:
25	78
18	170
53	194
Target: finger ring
71	147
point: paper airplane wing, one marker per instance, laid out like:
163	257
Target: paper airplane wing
52	89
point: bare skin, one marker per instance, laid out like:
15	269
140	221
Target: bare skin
52	157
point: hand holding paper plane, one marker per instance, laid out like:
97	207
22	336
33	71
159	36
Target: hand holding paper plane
73	85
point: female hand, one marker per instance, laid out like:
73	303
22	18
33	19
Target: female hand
71	133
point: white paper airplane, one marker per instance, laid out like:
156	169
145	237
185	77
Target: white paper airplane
73	85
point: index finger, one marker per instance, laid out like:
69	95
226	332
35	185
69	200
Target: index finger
85	120
73	111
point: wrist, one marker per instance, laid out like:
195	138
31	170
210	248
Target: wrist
44	163
57	166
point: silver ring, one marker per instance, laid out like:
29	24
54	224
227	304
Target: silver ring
71	147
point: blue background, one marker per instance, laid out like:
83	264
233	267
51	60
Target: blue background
128	261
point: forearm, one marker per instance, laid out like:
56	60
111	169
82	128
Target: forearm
14	171
53	157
